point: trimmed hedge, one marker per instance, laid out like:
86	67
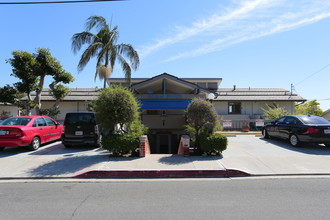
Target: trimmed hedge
120	144
215	143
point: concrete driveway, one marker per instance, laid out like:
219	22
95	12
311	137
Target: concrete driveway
260	156
246	153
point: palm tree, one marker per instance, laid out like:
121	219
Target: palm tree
103	45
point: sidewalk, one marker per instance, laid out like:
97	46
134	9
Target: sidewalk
160	165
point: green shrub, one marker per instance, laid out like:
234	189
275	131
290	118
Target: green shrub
201	120
214	143
4	115
120	144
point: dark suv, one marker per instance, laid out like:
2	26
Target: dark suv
80	128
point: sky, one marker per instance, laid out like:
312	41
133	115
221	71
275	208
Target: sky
247	43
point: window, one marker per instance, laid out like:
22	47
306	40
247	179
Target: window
212	85
50	122
280	120
202	85
234	108
291	121
41	122
16	121
72	118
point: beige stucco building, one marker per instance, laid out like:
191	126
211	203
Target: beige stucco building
164	99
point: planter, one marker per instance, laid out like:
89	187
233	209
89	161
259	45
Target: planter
246	128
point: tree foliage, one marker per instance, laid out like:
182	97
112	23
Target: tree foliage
103	45
117	110
31	70
274	112
116	107
309	108
201	119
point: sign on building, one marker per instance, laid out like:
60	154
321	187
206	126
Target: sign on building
227	123
260	123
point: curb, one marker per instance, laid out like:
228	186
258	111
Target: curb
161	174
230	134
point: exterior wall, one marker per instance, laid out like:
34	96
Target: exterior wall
326	115
173	119
65	107
250	110
10	108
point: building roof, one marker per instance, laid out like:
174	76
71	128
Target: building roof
176	84
75	94
256	94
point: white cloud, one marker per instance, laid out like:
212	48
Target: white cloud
240	22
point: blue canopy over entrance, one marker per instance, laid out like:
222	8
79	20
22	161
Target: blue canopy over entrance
164	104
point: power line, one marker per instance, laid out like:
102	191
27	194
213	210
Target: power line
312	74
56	2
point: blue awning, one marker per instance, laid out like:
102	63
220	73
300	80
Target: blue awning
164	104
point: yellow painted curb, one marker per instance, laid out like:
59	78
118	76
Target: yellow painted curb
239	133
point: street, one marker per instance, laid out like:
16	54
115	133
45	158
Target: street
288	198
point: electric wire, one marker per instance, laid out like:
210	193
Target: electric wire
56	2
312	74
293	87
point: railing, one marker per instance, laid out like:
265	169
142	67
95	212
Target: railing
238	125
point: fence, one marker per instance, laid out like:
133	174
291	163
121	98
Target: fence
237	125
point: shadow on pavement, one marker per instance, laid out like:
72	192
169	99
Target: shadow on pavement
11	151
68	165
304	148
178	159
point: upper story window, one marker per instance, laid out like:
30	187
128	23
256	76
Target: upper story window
212	85
234	108
202	85
208	85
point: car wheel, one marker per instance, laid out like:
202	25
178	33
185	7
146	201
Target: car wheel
294	141
265	133
35	144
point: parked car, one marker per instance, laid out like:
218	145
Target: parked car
80	128
300	129
31	131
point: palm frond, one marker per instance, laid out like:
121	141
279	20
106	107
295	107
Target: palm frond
126	68
79	39
90	52
128	51
97	22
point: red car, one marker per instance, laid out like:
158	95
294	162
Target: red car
31	131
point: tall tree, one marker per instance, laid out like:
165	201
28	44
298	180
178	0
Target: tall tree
309	108
32	70
274	112
103	45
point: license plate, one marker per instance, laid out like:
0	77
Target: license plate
327	131
3	132
78	133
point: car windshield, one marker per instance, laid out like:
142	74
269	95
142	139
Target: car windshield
79	118
315	120
16	121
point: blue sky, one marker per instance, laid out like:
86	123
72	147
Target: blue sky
247	43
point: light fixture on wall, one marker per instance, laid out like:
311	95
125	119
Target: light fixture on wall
212	96
163	117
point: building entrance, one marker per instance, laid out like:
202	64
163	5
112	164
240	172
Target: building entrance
164	143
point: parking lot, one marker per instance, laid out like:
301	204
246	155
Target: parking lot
260	156
254	155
